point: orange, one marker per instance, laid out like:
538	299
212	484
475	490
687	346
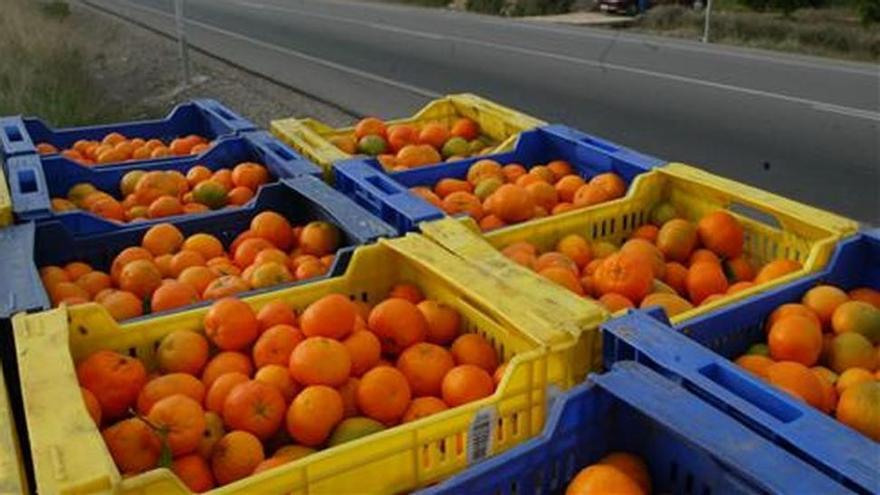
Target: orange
400	136
829	393
795	338
722	234
330	316
65	290
167	385
422	407
465	128
466	383
384	394
755	364
603	479
564	278
235	456
797	380
133	445
320	361
279	377
348	144
776	269
276	312
443	321
647	232
51	275
226	362
348	392
268	274
183	260
859	408
182	351
484	169
211	193
853	316
463	202
250	175
313	414
417	155
225	286
275	345
543	195
407	291
512	172
370	126
447	186
739	269
254	407
591	194
424	365
94	282
140	277
114	379
108	208
612	183
122	305
172	294
46	148
154	185
180	420
703	255
434	134
739	287
791	309
198	174
676	277
705	279
239	196
223	177
364	349
231	324
850	350
624	274
853	377
428	195
677	239
205	244
615	302
647	252
823	300
866	294
92	405
319	239
310	269
195	473
567	187
76	269
672	304
398	324
630	465
511	203
220	389
274	228
197	277
543	174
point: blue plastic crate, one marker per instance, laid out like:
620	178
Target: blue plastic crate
35	180
689	447
387	194
301	200
836	450
205	117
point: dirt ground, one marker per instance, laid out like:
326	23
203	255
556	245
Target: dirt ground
137	66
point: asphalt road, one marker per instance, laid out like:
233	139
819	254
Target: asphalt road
804	127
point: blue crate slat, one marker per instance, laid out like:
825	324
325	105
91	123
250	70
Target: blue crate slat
689	447
300	200
205	117
35	180
20	282
838	451
387	194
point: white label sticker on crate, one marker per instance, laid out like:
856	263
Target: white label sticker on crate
480	434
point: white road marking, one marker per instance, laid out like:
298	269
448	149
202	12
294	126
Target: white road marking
814	104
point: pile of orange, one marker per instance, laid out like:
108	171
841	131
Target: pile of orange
115	147
825	350
159	194
169	270
671	262
618	473
405	146
261	389
496	195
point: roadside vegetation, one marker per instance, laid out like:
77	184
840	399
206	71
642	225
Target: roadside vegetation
836	31
44	67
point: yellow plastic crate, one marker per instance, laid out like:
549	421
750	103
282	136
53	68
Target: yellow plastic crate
70	456
12	471
5	201
775	227
501	124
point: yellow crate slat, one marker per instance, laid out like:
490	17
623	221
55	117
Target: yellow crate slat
12	471
795	231
503	125
70	456
5	201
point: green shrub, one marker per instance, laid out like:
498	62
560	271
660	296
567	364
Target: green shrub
869	11
485	6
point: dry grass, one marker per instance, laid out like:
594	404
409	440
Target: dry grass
44	66
832	32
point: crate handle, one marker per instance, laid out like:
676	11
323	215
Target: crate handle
234	121
27	184
272	147
755	214
13	133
